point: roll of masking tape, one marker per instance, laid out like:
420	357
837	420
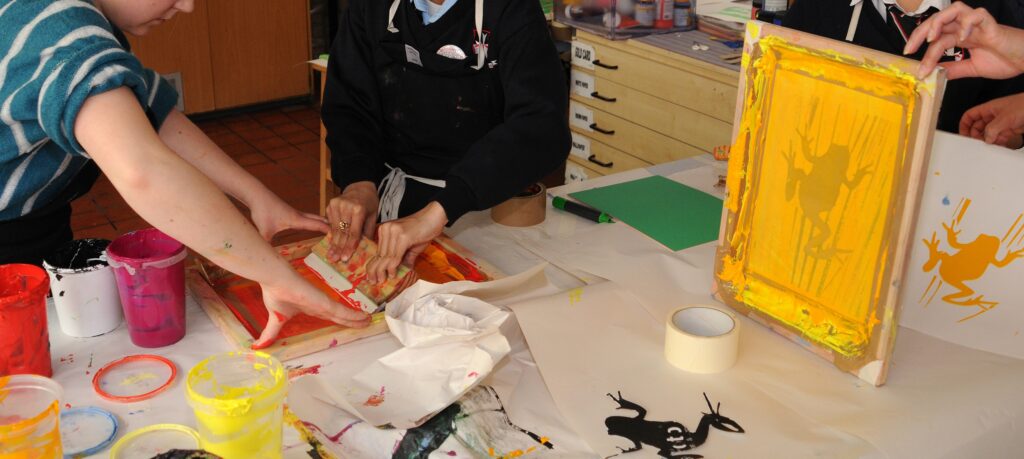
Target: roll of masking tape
524	209
702	339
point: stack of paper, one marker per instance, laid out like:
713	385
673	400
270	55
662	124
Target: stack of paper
723	18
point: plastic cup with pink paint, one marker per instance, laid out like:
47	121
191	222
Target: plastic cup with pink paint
150	270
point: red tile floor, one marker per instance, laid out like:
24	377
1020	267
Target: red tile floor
279	146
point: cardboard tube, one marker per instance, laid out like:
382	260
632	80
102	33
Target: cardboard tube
524	209
702	339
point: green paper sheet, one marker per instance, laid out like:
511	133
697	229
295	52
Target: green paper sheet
671	213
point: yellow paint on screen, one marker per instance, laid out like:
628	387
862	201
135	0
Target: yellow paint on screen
811	238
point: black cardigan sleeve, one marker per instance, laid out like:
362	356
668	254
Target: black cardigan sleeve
351	107
533	138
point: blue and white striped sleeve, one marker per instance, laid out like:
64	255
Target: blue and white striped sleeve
92	64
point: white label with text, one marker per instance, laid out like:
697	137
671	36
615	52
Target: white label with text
583	84
582	117
583	55
580	146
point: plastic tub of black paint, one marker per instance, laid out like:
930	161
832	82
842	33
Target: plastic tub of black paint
84	289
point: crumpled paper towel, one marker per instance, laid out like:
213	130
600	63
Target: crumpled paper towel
451	340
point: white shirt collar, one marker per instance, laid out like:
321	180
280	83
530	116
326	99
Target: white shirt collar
882	6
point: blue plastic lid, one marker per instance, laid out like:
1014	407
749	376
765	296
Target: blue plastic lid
86	430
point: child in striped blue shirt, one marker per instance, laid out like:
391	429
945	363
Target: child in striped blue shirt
73	99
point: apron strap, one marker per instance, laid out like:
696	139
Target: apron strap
481	39
391	16
392	189
854	21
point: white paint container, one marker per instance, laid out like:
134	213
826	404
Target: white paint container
83	287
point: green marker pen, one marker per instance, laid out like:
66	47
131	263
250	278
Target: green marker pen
588	213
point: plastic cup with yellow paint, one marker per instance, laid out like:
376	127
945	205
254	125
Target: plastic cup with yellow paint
238	400
30	417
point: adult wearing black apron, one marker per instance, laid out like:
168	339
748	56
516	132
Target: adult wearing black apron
885	25
437	118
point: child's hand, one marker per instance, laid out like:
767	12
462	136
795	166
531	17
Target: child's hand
286	299
271	215
403	240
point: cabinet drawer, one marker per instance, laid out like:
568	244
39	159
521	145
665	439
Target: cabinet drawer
681	87
626	136
601	157
582	163
690	126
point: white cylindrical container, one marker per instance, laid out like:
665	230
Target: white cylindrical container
84	290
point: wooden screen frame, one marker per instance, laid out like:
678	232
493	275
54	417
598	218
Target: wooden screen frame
872	363
197	278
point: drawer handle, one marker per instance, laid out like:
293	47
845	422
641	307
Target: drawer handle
603	131
598	95
593	159
609	67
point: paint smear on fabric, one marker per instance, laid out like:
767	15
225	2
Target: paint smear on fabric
303	371
305	431
375	399
827	174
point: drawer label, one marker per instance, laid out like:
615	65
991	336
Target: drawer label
574	173
583	55
580	146
583	84
582	117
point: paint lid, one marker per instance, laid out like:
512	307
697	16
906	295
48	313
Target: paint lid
145	248
85	431
154	440
134	378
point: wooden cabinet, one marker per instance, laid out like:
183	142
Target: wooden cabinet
634	105
259	50
231	53
182	46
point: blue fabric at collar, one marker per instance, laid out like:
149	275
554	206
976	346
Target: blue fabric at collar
427	19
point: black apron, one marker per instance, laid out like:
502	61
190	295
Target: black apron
411	74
